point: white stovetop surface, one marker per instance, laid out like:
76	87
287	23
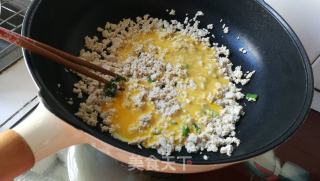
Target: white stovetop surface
17	92
304	18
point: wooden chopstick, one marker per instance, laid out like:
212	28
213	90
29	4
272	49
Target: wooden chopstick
74	58
58	56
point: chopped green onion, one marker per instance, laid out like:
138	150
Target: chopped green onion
213	114
156	131
110	88
118	78
186	66
251	97
207	111
185	131
173	122
196	127
150	80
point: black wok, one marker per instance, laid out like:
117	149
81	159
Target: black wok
283	78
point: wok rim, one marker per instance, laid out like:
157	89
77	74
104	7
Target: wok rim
296	123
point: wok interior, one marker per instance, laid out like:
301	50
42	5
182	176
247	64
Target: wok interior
281	79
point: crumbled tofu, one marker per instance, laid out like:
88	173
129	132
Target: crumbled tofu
210	26
218	131
226	150
144	122
205	157
172	12
70	102
226	30
242	50
199	13
99	29
164	146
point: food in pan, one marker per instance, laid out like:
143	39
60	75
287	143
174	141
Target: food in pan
180	90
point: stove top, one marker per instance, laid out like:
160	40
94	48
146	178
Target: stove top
19	95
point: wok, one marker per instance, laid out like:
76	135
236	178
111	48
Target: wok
283	80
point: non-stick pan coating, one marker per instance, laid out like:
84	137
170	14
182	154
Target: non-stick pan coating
283	78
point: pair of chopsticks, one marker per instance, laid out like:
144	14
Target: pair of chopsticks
75	63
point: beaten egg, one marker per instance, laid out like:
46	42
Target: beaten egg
200	62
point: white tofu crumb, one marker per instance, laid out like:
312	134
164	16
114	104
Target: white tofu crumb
251	99
250	74
205	157
221	20
172	12
99	29
226	30
58	85
199	13
242	50
164	146
238	37
70	102
210	26
226	150
145	120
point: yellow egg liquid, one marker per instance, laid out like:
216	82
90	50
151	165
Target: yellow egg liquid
202	69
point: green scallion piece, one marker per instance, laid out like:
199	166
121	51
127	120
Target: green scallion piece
186	66
213	114
209	112
110	88
150	80
251	97
185	131
196	127
118	79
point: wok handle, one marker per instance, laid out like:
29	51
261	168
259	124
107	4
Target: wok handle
16	156
38	136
